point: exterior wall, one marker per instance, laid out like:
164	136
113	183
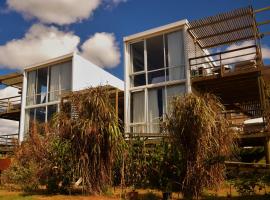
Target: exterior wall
181	25
23	103
86	74
83	74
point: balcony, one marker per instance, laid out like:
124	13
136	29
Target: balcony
223	64
10	108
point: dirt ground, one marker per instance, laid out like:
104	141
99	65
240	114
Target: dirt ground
222	194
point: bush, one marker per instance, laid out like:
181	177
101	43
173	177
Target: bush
41	160
246	182
23	176
158	167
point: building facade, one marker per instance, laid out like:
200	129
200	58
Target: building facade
45	83
156	68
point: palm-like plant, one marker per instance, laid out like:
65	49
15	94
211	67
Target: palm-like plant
89	121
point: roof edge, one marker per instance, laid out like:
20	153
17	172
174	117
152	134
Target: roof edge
50	61
156	30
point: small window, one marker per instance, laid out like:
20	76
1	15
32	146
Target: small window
31	88
138	80
175	57
137	56
156	108
51	110
155	53
156	76
137	107
41	114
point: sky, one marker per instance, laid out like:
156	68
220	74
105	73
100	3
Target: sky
35	30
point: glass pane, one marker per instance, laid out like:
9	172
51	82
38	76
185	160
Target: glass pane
41	114
138	80
41	98
137	107
52	109
54	96
156	108
42	80
175	57
42	85
65	76
30	100
138	129
137	56
174	90
156	76
29	119
155	53
31	87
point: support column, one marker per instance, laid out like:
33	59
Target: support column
267	150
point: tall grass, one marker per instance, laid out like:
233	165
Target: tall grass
202	135
89	121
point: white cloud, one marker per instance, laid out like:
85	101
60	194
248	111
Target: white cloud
8	92
8	127
102	49
60	12
239	53
39	43
42	42
55	11
265	52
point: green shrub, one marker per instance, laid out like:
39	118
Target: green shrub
245	183
41	160
23	176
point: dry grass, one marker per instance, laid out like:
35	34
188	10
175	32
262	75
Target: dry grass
202	135
143	195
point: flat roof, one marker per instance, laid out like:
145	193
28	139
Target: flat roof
156	30
56	60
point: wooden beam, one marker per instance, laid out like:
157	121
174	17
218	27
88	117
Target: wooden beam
216	22
229	42
225	32
262	9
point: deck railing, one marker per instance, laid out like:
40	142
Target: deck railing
8	143
235	60
10	104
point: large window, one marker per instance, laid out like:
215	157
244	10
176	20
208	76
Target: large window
44	89
48	83
157	73
158	103
157	59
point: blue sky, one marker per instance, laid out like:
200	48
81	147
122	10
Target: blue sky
124	18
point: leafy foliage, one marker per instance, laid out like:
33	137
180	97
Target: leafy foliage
41	160
83	141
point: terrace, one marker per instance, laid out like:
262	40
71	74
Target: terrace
227	61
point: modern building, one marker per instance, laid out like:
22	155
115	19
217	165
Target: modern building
219	54
45	83
156	68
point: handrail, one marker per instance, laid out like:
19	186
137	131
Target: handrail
200	67
223	52
10	103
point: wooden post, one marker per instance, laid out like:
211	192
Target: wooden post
116	102
267	150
